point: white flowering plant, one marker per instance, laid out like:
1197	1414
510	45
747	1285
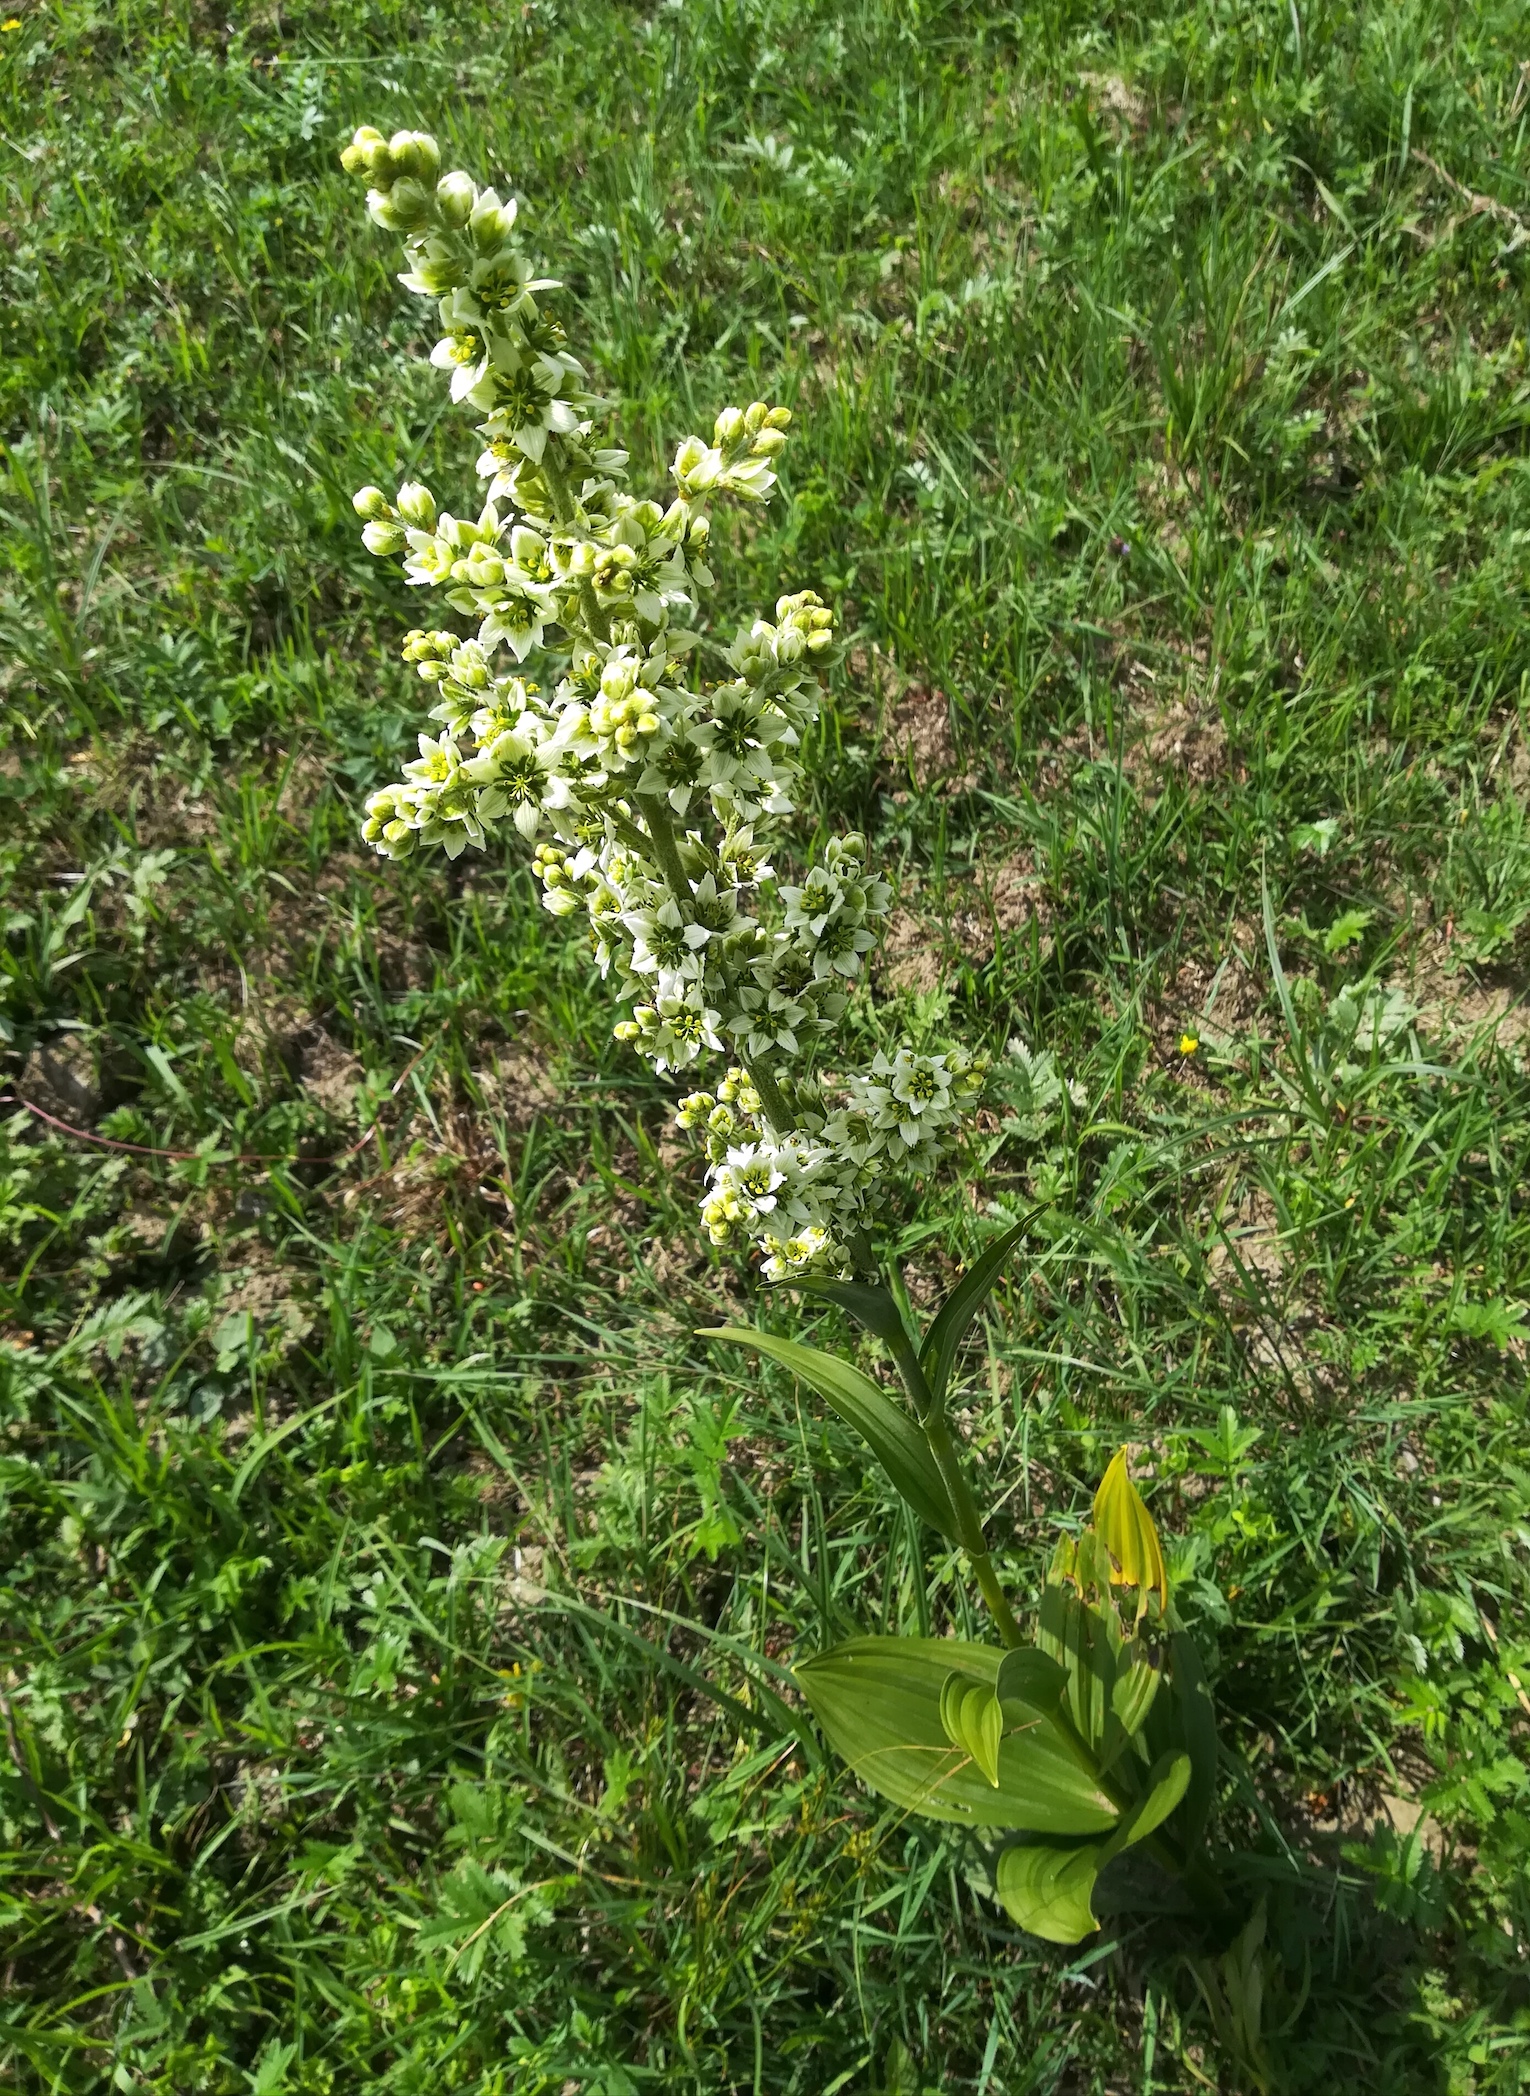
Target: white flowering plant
652	769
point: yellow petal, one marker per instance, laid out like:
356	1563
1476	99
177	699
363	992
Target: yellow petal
1125	1527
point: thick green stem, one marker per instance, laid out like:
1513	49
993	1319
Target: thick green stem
969	1519
563	504
993	1594
777	1112
565	512
599	621
661	832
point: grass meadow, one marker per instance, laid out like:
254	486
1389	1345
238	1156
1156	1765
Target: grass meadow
389	1583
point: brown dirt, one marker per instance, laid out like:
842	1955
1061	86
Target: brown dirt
912	956
1009	899
331	1074
1253	1230
130	781
280	1027
60	1077
410	1193
1455	1001
1217	1002
517	1086
1185	740
672	1260
524	1577
402	963
913	723
917	729
918	951
1353	1810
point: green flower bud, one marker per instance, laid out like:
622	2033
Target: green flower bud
372	505
404	208
417	506
420	646
367	154
383	539
491	226
456	197
415	153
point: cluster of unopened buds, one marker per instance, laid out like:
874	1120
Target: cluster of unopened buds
652	799
807	1197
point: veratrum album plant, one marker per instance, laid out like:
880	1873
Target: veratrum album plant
652	769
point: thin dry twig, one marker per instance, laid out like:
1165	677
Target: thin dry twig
1477	204
1522	91
111	1142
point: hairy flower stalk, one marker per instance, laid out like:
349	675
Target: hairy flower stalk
652	794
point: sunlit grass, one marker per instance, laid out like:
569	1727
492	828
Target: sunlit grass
397	1600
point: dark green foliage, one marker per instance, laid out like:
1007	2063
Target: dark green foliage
395	1598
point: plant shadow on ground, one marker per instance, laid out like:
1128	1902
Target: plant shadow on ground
394	1589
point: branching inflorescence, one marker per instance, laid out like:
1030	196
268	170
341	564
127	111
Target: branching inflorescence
652	794
653	798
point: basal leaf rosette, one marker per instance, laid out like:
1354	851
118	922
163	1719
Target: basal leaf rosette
1095	1738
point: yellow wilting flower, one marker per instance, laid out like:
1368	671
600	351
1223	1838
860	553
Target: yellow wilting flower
1125	1527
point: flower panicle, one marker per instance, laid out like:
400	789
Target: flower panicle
652	798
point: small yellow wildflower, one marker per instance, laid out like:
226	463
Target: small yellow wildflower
14	22
1188	1043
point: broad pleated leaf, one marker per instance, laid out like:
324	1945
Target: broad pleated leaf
878	1701
938	1354
892	1436
972	1718
1136	1685
1075	1634
1167	1783
1028	1676
1050	1891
